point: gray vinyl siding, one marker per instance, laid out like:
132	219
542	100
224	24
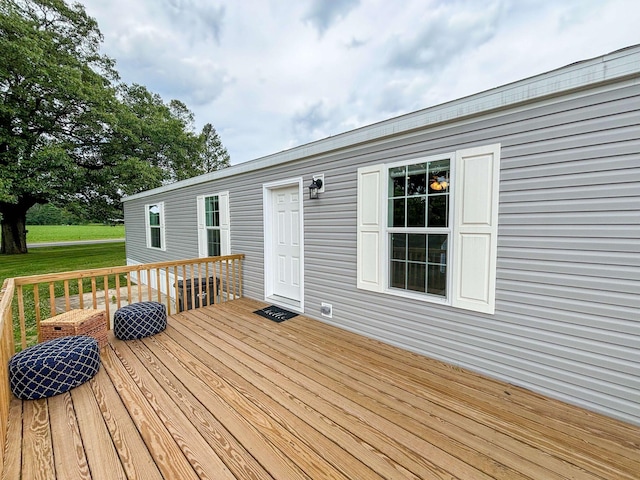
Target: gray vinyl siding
567	321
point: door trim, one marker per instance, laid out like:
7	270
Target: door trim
267	196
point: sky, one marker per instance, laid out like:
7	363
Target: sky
270	75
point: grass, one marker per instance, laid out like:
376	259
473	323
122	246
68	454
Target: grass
57	259
67	233
62	259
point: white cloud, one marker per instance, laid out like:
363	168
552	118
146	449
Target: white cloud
273	74
445	33
323	14
200	19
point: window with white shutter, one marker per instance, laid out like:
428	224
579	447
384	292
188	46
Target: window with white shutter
155	228
427	228
213	225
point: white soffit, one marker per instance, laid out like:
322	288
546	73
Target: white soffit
614	66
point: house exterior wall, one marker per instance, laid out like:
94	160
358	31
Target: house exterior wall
567	316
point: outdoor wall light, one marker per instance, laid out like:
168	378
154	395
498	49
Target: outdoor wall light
314	188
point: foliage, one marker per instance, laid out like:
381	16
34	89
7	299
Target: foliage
69	133
150	145
49	214
56	104
213	155
70	233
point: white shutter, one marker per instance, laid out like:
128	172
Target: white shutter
477	177
147	225
202	231
225	227
163	235
370	228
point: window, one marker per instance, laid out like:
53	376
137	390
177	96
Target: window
155	225
427	228
213	225
418	226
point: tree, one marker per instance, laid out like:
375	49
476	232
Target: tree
56	104
49	214
72	136
150	144
213	155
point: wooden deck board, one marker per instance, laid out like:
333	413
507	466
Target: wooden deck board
134	456
13	450
224	444
157	436
36	438
68	450
101	453
226	394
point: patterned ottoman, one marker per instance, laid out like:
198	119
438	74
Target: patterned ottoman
139	320
53	367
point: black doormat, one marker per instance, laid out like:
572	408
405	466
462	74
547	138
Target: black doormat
276	314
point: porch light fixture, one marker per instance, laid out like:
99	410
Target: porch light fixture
316	185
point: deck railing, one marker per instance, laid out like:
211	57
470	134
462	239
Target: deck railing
180	285
6	351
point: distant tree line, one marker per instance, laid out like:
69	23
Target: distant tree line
71	134
49	214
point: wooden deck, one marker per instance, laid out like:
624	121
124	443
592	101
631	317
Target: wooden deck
226	394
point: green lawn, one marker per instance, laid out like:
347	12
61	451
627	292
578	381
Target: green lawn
57	259
66	233
61	259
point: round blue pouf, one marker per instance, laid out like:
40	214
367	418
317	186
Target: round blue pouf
139	320
53	367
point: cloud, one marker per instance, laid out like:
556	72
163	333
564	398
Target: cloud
356	43
199	19
155	58
448	31
311	121
322	14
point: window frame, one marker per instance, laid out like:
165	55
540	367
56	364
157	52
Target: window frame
208	228
387	231
223	227
160	227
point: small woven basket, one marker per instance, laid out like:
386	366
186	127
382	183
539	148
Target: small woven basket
89	322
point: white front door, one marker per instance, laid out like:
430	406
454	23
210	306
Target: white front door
286	243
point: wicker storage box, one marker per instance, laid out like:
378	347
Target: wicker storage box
89	322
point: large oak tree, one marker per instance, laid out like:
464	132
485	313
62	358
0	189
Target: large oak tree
56	103
69	133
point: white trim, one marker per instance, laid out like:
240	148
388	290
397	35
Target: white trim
615	66
386	261
225	227
267	190
163	240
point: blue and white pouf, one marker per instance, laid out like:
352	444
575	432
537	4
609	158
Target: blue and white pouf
53	367
139	320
